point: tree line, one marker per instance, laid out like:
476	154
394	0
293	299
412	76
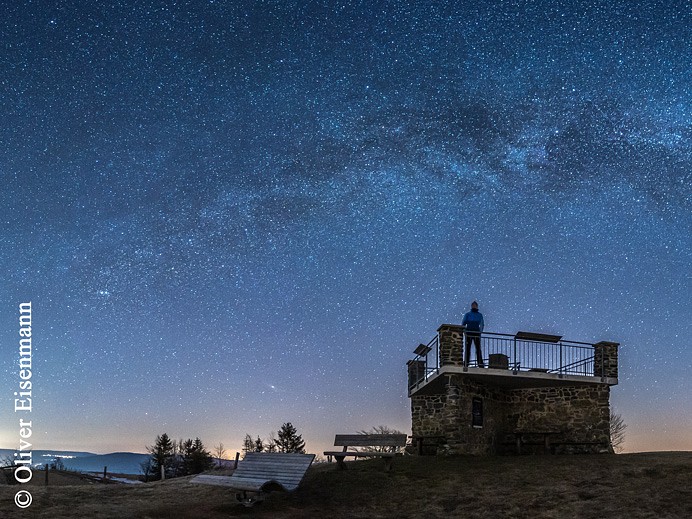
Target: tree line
171	459
286	440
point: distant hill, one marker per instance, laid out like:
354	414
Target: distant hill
40	457
117	462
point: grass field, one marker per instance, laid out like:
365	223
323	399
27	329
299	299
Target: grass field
631	486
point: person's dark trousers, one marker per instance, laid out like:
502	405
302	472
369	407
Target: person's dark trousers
476	338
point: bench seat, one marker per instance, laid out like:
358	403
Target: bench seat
248	484
390	442
261	472
362	454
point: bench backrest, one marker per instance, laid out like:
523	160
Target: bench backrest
370	440
287	469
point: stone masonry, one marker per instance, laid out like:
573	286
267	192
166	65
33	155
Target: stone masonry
606	359
451	338
575	415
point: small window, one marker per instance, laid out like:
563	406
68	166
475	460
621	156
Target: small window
477	412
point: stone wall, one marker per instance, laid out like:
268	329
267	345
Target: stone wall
426	414
577	416
449	414
462	437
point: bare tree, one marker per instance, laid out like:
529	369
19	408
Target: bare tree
319	458
617	431
177	464
250	445
219	451
146	467
381	429
271	445
6	461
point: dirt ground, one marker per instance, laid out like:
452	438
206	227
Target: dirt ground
631	486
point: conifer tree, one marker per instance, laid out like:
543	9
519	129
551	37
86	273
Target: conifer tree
196	458
289	440
161	455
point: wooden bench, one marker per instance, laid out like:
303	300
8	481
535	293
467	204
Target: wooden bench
427	441
545	435
579	443
262	472
388	443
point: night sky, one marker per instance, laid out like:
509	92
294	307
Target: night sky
230	215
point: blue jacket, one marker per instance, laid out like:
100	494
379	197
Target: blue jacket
473	321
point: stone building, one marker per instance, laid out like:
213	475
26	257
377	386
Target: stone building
538	394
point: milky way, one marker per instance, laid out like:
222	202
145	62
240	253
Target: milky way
229	215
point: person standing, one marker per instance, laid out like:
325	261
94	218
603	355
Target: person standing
473	321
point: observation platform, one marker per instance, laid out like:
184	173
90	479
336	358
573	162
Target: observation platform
513	361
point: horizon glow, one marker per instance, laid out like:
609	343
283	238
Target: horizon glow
228	216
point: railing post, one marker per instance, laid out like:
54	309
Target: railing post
516	362
423	370
561	363
434	345
437	352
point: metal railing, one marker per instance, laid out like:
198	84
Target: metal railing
514	353
562	357
426	364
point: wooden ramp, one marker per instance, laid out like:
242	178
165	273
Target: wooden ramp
262	472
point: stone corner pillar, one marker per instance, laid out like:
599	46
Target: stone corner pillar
606	359
451	337
416	372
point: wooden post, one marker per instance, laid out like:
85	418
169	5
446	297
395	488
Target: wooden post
235	465
163	472
46	475
105	471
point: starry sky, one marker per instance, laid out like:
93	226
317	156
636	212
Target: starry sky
230	215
